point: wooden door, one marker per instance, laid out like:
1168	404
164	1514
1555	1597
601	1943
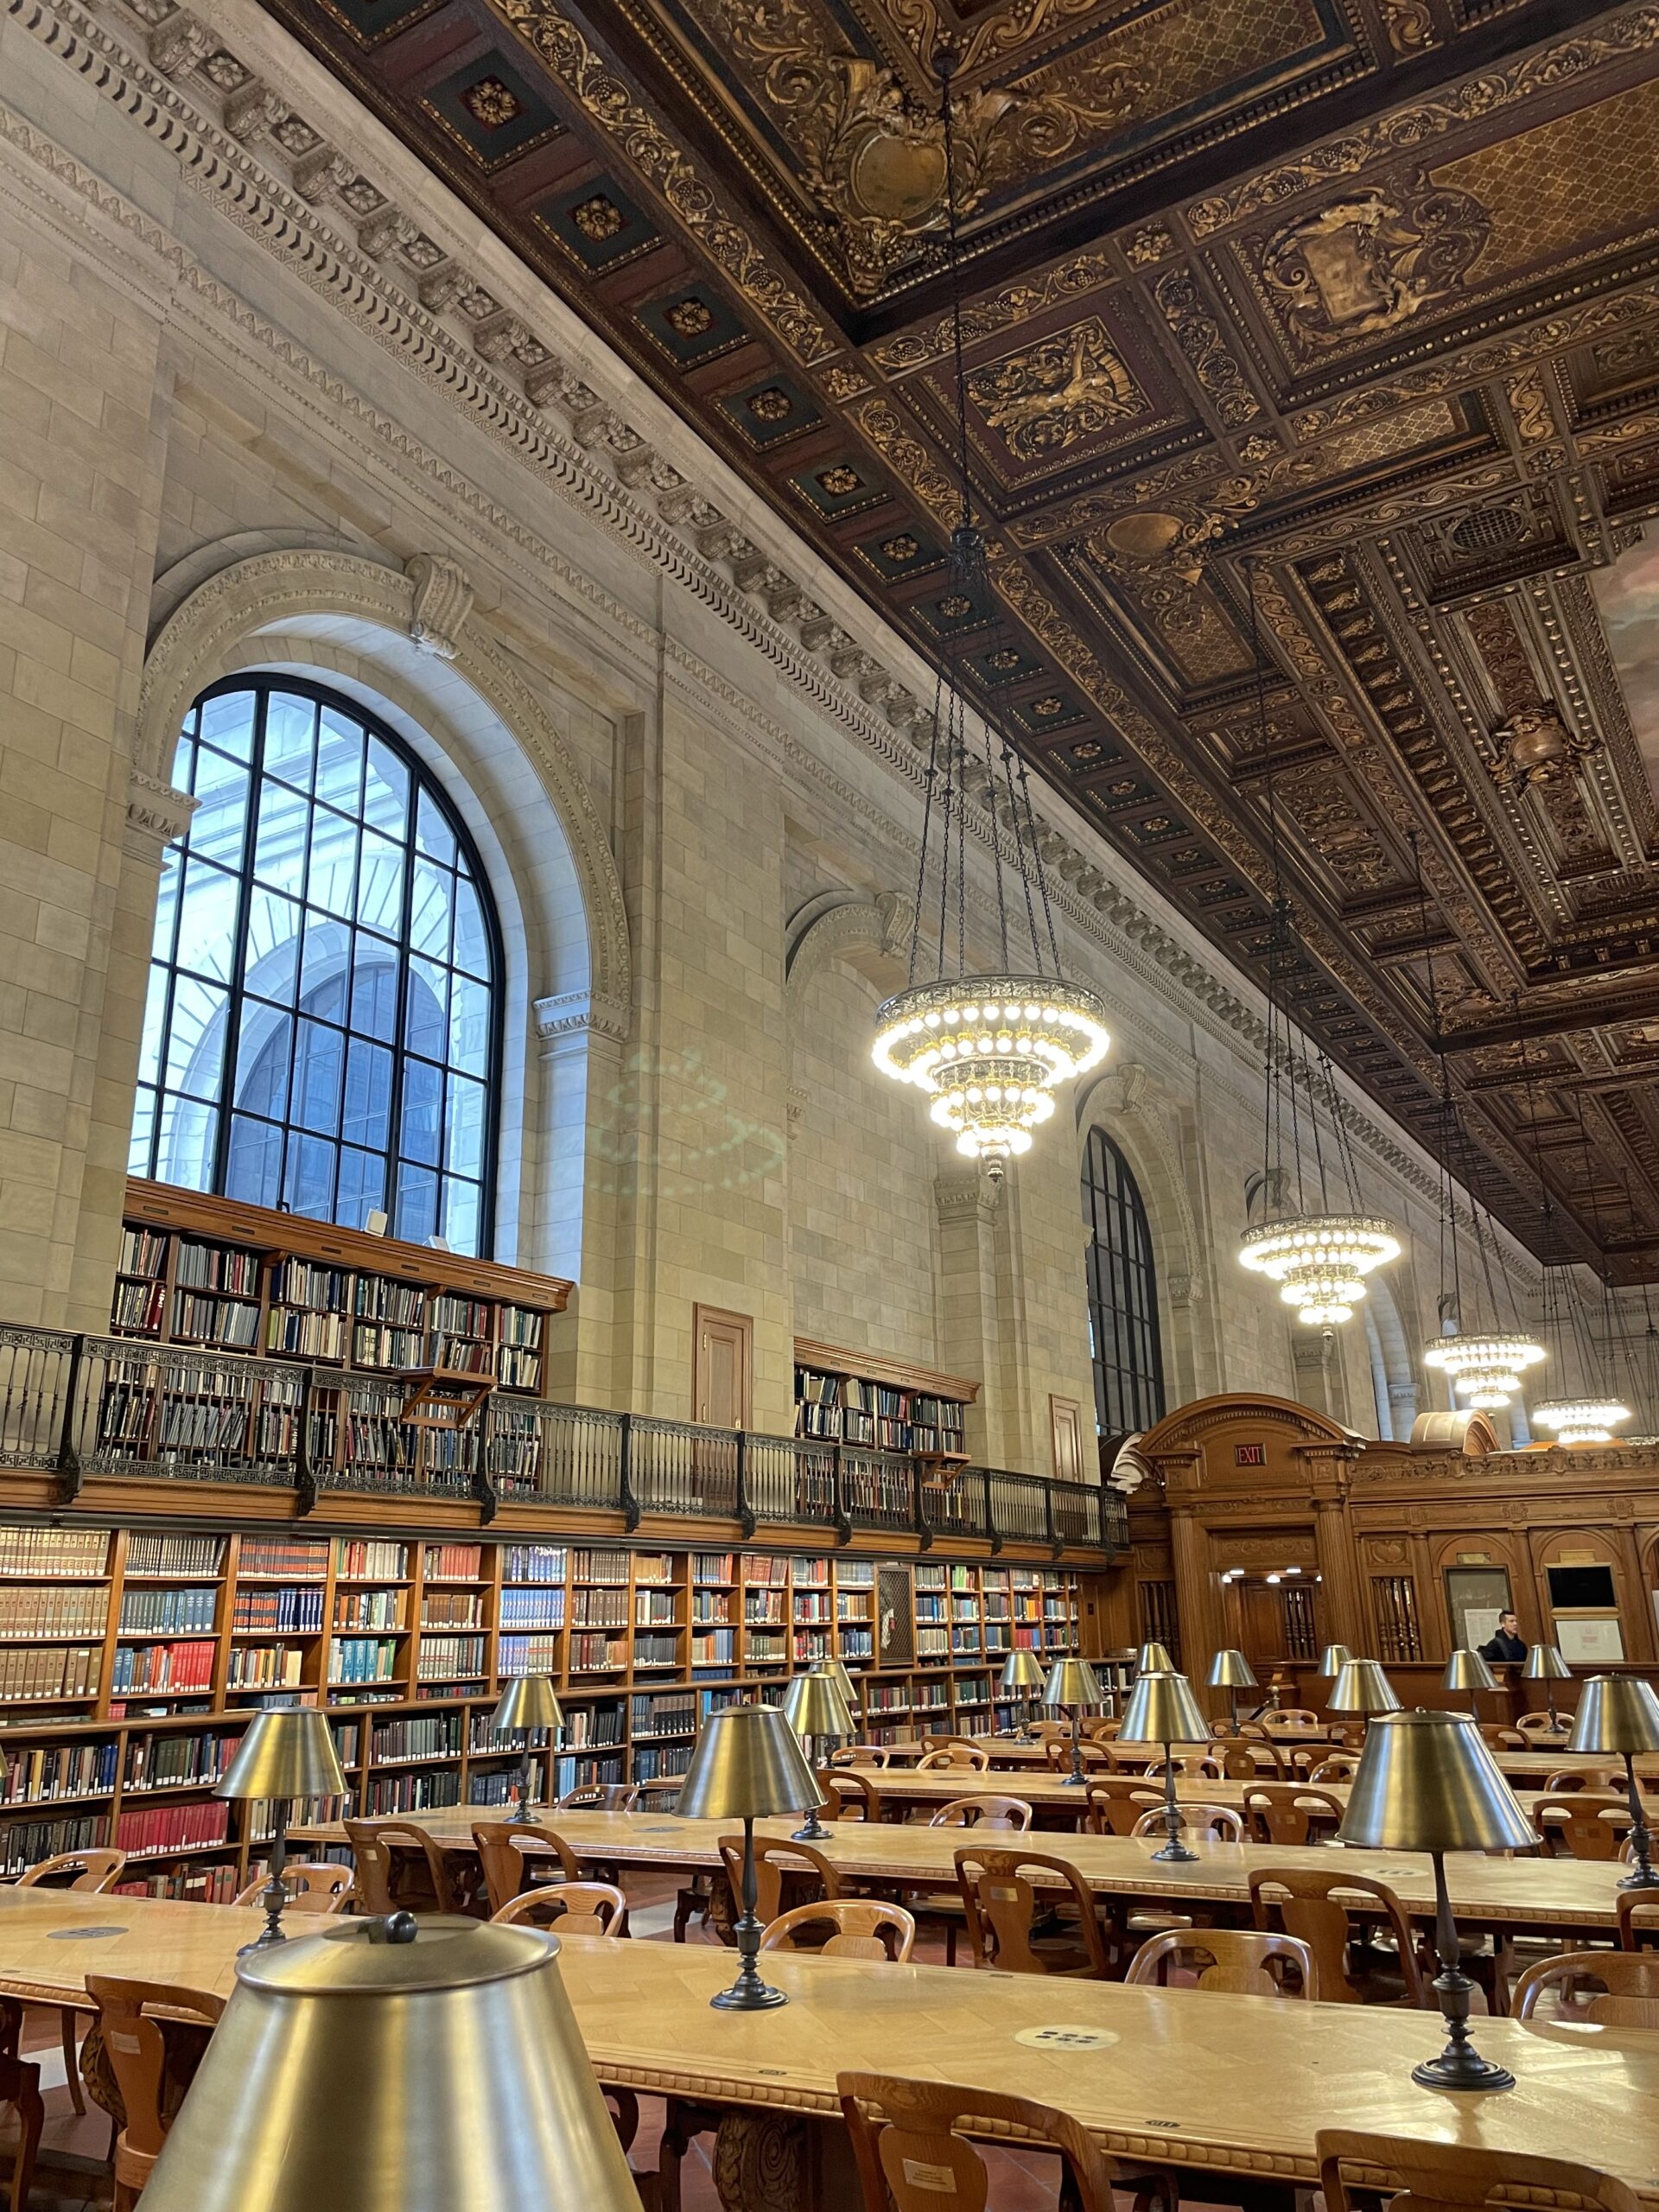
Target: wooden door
1066	1430
722	1393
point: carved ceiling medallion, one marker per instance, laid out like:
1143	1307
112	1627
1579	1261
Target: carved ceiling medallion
1372	260
1043	401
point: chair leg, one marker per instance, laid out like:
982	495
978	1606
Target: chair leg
71	2059
20	2087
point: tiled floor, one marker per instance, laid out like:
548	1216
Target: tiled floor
75	2178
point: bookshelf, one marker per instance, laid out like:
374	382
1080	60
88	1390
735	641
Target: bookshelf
880	1405
407	1637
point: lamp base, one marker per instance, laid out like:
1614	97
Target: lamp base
814	1831
1645	1877
749	1996
1074	1780
1175	1849
1459	2067
269	1935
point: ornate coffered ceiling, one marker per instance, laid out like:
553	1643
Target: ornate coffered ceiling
1363	292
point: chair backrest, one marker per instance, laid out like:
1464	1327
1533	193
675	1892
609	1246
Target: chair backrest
1567	1780
135	2041
847	1792
1613	1988
97	1870
1238	1760
1192	1766
1113	1806
1220	1821
1002	1906
1296	1716
1459	2176
861	1928
501	1853
909	2155
1590	1822
1045	1731
399	1868
775	1859
313	1885
1056	1750
1284	1812
601	1798
1639	1916
1538	1724
990	1811
1342	1768
861	1755
1240	1960
952	1751
1307	1901
570	1908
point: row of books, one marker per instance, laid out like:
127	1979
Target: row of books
664	1712
192	1559
199	1319
415	1791
24	1844
144	1252
653	1608
362	1659
161	1666
443	1658
189	1606
609	1568
370	1608
599	1608
165	1761
43	1554
304	1334
301	1557
433	1736
264	1666
39	1773
528	1654
189	1885
442	1608
535	1563
29	1613
371	1559
299	1610
226	1268
150	1830
454	1563
597	1655
531	1605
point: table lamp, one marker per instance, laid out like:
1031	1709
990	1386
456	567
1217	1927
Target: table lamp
1232	1672
1153	1659
844	1682
1362	1687
1619	1712
746	1765
1545	1664
287	1753
1072	1683
1163	1710
527	1703
1332	1660
426	2064
1023	1677
817	1711
1467	1670
1427	1782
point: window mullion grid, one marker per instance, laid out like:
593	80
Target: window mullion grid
239	952
394	1153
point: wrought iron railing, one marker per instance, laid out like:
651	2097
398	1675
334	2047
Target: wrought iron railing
80	1406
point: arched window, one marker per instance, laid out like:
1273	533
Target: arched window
322	1027
1122	1294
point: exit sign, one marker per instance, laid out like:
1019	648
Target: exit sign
1249	1455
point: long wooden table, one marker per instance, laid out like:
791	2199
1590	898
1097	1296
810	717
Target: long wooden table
1573	1895
1230	2085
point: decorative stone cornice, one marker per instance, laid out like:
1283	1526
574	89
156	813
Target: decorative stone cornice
580	1014
157	816
966	1194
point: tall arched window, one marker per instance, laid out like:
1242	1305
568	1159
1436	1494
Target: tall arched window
322	1026
1122	1294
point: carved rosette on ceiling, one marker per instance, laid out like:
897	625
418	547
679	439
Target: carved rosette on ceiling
1537	747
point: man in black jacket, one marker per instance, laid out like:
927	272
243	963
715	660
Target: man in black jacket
1507	1644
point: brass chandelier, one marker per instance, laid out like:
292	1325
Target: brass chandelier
1318	1242
987	1049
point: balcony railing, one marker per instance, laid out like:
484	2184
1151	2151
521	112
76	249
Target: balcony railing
80	1405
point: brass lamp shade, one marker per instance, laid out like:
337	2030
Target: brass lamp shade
1467	1670
527	1702
427	2064
1617	1712
843	1681
1545	1664
287	1752
1229	1670
1072	1682
1332	1660
1163	1710
1153	1659
813	1705
1428	1782
1021	1670
747	1765
1362	1687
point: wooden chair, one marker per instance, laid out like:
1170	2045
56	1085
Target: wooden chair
1590	1822
401	1869
503	1856
1243	1961
1307	1901
1097	1757
911	2157
600	1797
849	1795
778	1861
1296	1716
313	1885
1239	1760
1113	1806
95	1872
1219	1822
1189	1766
1570	1779
953	1752
1458	2176
151	2064
1267	1752
1532	1725
1615	1989
1632	1902
990	1811
1002	1908
1341	1769
1284	1812
570	1909
19	2088
876	1755
863	1928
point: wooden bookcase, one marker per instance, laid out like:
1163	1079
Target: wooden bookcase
880	1405
407	1636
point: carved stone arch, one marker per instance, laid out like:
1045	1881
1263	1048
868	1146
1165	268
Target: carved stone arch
304	593
869	934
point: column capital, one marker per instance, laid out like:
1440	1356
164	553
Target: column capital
966	1193
570	1015
157	816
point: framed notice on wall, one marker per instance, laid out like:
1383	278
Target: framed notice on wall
1588	1643
1475	1596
